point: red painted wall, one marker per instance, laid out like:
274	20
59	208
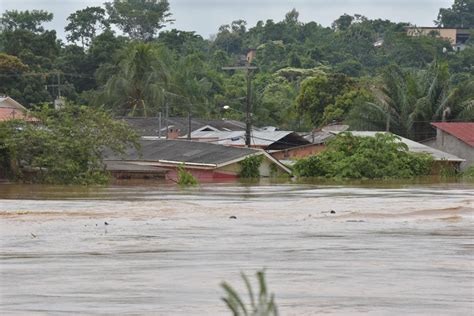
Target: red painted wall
202	175
299	152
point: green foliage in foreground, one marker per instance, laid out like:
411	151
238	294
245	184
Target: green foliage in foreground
261	305
469	173
348	156
64	147
249	167
185	178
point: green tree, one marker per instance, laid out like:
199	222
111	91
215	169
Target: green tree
230	37
25	20
65	147
11	64
191	86
325	97
406	102
393	105
83	25
23	36
381	156
343	22
139	80
140	19
182	42
461	14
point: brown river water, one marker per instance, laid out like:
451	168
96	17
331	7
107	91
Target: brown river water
403	249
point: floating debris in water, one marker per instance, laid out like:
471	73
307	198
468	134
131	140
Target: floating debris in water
233	217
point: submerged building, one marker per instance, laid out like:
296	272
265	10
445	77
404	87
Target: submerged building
205	161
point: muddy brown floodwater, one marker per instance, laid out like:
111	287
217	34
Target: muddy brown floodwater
390	250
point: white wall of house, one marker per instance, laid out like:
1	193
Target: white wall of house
450	144
7	102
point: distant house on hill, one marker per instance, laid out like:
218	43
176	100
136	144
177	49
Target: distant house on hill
204	160
455	138
11	110
456	36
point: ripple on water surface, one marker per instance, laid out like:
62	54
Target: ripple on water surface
336	250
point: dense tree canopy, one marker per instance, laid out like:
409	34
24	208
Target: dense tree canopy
25	20
308	75
64	147
140	19
83	24
461	14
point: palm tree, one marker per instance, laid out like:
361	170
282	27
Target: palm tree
391	106
140	79
440	100
190	85
406	102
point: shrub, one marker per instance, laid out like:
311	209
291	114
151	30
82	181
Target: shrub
469	173
249	167
185	178
348	156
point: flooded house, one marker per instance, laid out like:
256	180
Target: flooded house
205	161
263	139
175	127
317	139
441	159
456	138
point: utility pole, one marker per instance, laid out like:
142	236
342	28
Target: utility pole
189	124
248	110
159	125
167	114
57	102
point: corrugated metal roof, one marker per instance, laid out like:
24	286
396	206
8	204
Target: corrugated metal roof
319	137
131	167
185	151
414	147
461	130
149	126
258	138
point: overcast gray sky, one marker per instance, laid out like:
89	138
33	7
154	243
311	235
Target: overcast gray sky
205	16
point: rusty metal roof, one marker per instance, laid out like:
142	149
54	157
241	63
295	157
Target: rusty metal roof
463	131
7	114
264	139
186	152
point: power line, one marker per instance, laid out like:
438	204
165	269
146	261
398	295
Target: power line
248	117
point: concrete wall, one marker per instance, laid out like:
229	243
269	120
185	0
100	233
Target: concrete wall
452	145
265	169
448	34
